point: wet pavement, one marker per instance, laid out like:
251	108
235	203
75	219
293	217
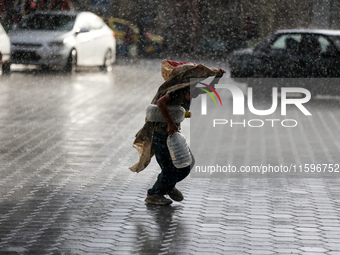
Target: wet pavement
65	186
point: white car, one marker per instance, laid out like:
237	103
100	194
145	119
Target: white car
64	39
5	51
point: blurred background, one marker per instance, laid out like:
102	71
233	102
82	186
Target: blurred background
202	27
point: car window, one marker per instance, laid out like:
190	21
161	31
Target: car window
336	40
287	43
315	45
327	47
48	22
324	44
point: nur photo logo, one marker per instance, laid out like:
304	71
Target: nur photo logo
279	102
209	93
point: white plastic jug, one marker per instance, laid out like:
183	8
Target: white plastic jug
154	115
179	150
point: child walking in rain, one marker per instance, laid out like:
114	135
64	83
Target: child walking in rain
151	139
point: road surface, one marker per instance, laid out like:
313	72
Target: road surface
65	186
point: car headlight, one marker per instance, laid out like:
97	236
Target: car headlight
59	43
56	44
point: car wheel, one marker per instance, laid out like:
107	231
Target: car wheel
71	62
5	68
46	68
108	61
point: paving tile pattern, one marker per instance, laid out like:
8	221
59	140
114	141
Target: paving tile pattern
65	187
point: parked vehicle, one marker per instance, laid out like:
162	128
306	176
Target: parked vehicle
5	51
291	53
121	27
64	39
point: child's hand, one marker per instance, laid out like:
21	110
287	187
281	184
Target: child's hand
172	128
220	73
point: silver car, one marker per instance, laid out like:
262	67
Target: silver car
5	51
63	39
